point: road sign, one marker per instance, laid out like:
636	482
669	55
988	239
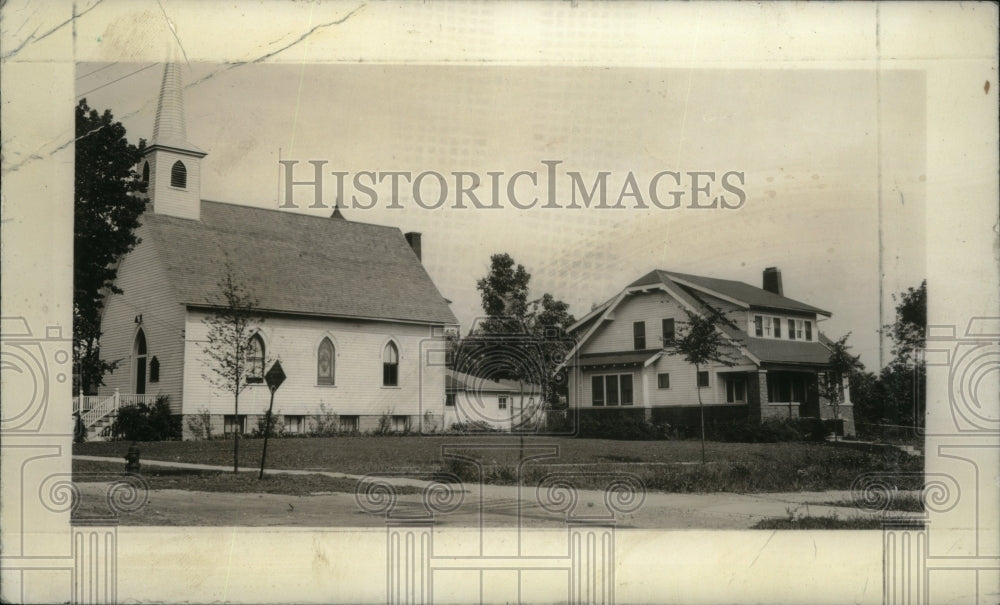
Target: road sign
274	377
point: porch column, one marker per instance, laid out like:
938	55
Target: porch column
645	374
757	395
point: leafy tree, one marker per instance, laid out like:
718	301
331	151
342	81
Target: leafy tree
841	364
700	341
518	339
504	293
908	332
232	323
106	213
903	381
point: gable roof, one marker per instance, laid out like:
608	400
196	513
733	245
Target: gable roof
685	287
750	295
297	263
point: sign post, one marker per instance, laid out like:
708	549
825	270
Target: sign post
274	377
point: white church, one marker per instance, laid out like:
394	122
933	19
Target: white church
349	309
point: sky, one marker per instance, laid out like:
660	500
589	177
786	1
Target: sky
826	156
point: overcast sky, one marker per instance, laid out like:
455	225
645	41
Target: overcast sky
810	144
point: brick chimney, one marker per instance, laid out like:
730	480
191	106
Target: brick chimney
772	280
413	238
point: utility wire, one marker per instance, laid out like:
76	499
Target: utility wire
117	80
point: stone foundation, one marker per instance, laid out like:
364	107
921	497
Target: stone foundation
779	411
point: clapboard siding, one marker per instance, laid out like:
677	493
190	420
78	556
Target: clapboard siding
732	312
651	307
182	203
358	389
146	292
484	407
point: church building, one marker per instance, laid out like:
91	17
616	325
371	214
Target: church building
348	307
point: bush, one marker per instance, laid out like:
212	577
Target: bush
200	424
146	423
326	423
620	424
775	430
277	426
473	426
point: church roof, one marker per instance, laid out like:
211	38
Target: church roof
297	263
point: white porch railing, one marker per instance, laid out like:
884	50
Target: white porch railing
93	408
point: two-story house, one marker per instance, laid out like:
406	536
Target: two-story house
779	356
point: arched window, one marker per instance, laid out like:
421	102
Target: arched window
139	355
145	173
326	363
255	357
178	175
390	365
154	370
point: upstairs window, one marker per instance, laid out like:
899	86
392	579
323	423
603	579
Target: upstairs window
668	330
325	362
798	329
390	365
809	330
791	329
178	175
758	325
639	335
255	359
777	326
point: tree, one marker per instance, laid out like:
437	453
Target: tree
232	323
841	364
518	339
908	332
504	293
106	214
700	341
903	380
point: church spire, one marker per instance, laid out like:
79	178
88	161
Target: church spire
174	164
169	128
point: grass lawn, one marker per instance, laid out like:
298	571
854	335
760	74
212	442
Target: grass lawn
85	471
671	466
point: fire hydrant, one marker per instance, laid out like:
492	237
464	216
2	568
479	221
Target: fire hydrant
132	459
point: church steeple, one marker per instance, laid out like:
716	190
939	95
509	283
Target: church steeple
174	185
